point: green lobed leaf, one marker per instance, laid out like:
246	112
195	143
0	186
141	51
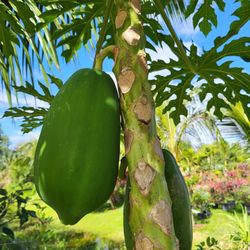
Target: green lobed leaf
222	81
31	90
58	82
31	117
204	14
243	17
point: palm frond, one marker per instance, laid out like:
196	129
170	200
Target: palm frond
20	46
237	113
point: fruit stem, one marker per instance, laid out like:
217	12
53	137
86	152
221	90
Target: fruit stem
102	55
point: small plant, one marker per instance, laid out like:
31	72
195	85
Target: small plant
12	207
210	244
230	187
201	202
201	199
244	169
242	195
241	237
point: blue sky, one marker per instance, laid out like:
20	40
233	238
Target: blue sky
85	59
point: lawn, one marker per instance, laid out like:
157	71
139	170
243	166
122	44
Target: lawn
219	226
108	225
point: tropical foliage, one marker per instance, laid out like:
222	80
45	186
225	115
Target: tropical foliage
3	148
20	45
206	181
35	32
69	25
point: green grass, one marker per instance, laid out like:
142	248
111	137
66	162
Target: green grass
108	225
218	226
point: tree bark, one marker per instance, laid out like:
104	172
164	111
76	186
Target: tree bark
150	217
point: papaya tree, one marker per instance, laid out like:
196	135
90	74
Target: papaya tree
125	31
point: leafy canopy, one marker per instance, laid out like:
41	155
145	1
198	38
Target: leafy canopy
66	26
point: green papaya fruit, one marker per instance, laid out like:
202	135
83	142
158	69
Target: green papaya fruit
181	206
76	159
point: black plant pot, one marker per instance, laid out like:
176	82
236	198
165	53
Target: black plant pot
215	206
204	215
230	205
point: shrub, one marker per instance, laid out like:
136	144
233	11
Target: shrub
241	237
242	195
201	199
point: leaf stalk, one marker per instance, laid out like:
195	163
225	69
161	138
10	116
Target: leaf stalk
102	55
101	39
160	8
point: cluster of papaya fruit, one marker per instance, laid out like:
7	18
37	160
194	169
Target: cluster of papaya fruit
181	207
77	155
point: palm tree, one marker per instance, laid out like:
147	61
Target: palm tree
240	119
201	126
124	29
21	47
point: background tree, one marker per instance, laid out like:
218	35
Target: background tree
131	27
4	150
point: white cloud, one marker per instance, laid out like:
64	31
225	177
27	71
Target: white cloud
22	101
165	53
18	137
162	53
185	27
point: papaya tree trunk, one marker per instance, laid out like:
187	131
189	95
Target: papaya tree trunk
150	217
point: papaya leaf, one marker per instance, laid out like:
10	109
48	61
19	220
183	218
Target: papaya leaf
175	86
204	14
31	90
214	73
58	82
31	117
242	13
224	79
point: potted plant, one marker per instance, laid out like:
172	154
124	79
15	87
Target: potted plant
227	189
242	196
201	201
